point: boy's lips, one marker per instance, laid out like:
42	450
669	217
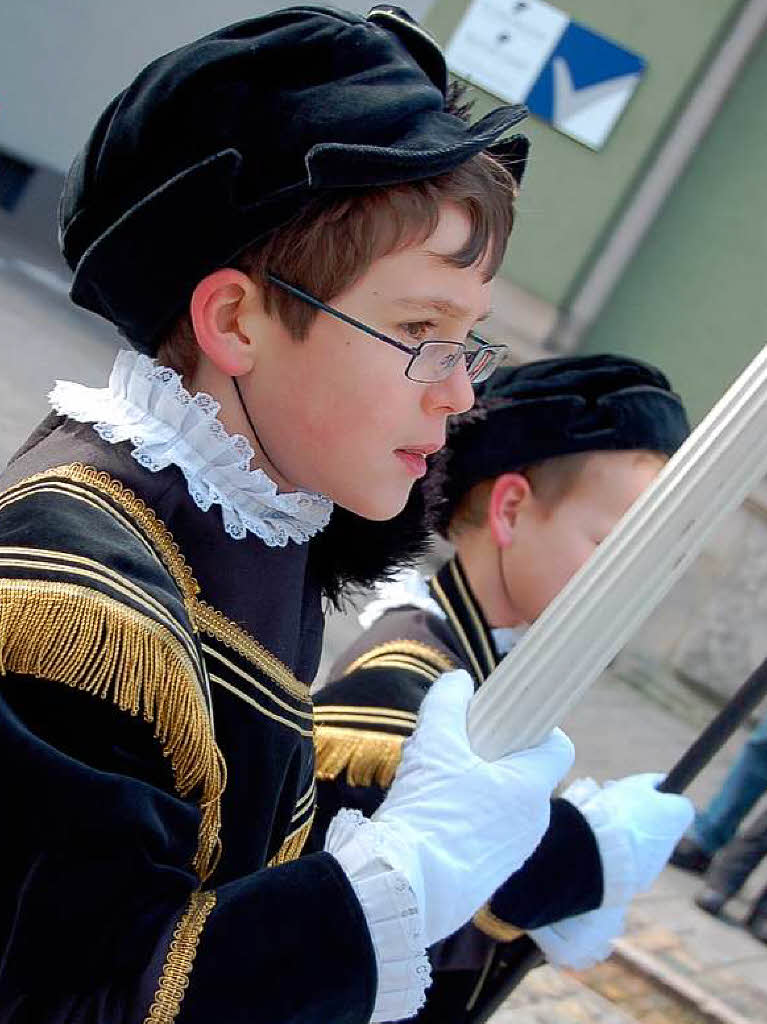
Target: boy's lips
414	457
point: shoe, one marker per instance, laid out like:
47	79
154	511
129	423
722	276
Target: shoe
690	857
711	900
757	925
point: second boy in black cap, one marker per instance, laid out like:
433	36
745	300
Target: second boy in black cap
531	481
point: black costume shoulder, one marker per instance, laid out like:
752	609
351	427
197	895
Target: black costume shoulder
132	682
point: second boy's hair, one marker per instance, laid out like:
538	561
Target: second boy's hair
332	242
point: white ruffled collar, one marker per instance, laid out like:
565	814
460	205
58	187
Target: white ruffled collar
507	637
410	588
148	405
406	588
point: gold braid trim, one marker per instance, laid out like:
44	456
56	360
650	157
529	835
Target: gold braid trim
368	757
487	922
442	598
430	657
178	962
137	510
213	622
293	845
66	633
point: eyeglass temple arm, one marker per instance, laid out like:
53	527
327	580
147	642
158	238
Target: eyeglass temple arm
310	299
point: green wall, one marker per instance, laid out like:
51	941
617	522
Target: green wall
572	194
694	298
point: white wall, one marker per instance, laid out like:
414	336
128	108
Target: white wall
61	61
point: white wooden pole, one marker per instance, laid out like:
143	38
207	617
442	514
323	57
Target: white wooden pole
608	599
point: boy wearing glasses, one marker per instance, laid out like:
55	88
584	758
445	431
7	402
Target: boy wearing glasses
165	542
530	482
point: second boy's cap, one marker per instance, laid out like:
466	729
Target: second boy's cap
221	141
552	407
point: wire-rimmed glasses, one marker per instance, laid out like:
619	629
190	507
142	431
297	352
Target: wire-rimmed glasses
430	361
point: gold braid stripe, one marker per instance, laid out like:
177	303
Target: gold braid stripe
365	720
178	962
487	922
471	607
449	611
71	634
406	664
217	625
368	757
411	649
304	801
397	716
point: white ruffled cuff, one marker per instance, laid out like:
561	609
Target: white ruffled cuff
616	851
392	913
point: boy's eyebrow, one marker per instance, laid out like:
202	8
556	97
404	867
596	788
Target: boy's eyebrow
445	306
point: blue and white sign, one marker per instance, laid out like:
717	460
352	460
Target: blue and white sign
533	53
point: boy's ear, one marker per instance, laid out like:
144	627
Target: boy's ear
510	491
221	308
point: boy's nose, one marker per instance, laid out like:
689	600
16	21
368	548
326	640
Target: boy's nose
454	394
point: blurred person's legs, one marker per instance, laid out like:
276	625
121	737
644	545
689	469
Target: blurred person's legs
732	865
715	826
757	919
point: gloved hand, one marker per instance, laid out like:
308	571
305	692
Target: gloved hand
457	826
582	941
636	828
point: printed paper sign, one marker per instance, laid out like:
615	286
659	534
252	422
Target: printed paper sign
531	52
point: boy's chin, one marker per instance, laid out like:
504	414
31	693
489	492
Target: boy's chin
376	505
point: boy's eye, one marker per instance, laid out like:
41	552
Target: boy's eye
418	330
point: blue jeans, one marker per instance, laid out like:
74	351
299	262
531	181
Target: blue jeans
744	784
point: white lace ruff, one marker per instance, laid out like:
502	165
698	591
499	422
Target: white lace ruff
392	914
148	405
405	588
506	637
409	588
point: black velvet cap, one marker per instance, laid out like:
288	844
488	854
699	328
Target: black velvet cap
219	142
560	406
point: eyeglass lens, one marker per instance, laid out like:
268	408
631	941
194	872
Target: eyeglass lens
437	360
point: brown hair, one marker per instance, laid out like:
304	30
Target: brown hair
551	481
333	241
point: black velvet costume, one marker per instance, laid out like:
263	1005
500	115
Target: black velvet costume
126	613
362	717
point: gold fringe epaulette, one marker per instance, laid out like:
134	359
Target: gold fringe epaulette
367	757
75	635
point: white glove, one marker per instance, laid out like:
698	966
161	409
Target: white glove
636	828
582	941
457	826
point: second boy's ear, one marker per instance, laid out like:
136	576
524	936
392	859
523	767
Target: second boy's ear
510	492
225	308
